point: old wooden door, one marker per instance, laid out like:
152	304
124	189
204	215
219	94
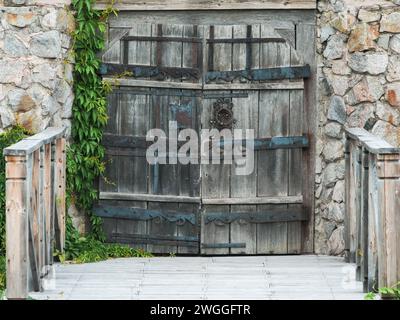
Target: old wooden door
184	73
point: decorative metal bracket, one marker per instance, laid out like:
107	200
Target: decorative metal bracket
180	218
278	73
154	72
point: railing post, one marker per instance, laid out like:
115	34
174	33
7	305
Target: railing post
388	170
373	217
59	189
363	238
17	227
347	201
353	199
35	209
47	177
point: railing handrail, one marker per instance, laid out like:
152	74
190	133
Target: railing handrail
31	144
372	143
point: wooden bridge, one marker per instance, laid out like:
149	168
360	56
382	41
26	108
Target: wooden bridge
302	277
35	209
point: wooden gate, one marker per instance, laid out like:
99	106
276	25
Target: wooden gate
261	68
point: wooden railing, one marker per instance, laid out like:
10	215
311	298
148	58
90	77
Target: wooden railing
35	209
372	208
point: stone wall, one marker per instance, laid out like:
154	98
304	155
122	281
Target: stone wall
35	67
358	49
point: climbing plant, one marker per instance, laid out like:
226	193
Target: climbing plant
85	155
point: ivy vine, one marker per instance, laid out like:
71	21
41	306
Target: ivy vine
85	155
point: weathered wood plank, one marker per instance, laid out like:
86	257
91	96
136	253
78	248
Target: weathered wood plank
216	175
257	200
59	196
48	135
363	239
35	212
296	165
34	142
272	164
373	216
47	185
281	85
42	215
245	111
306	53
389	270
347	155
155	84
147	197
355	200
371	142
280	19
156	5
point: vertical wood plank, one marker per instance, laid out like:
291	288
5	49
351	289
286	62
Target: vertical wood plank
296	165
373	217
273	164
110	181
47	201
364	219
35	209
60	192
216	177
246	116
53	219
354	199
306	47
347	200
381	226
388	251
33	274
296	156
357	217
42	215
